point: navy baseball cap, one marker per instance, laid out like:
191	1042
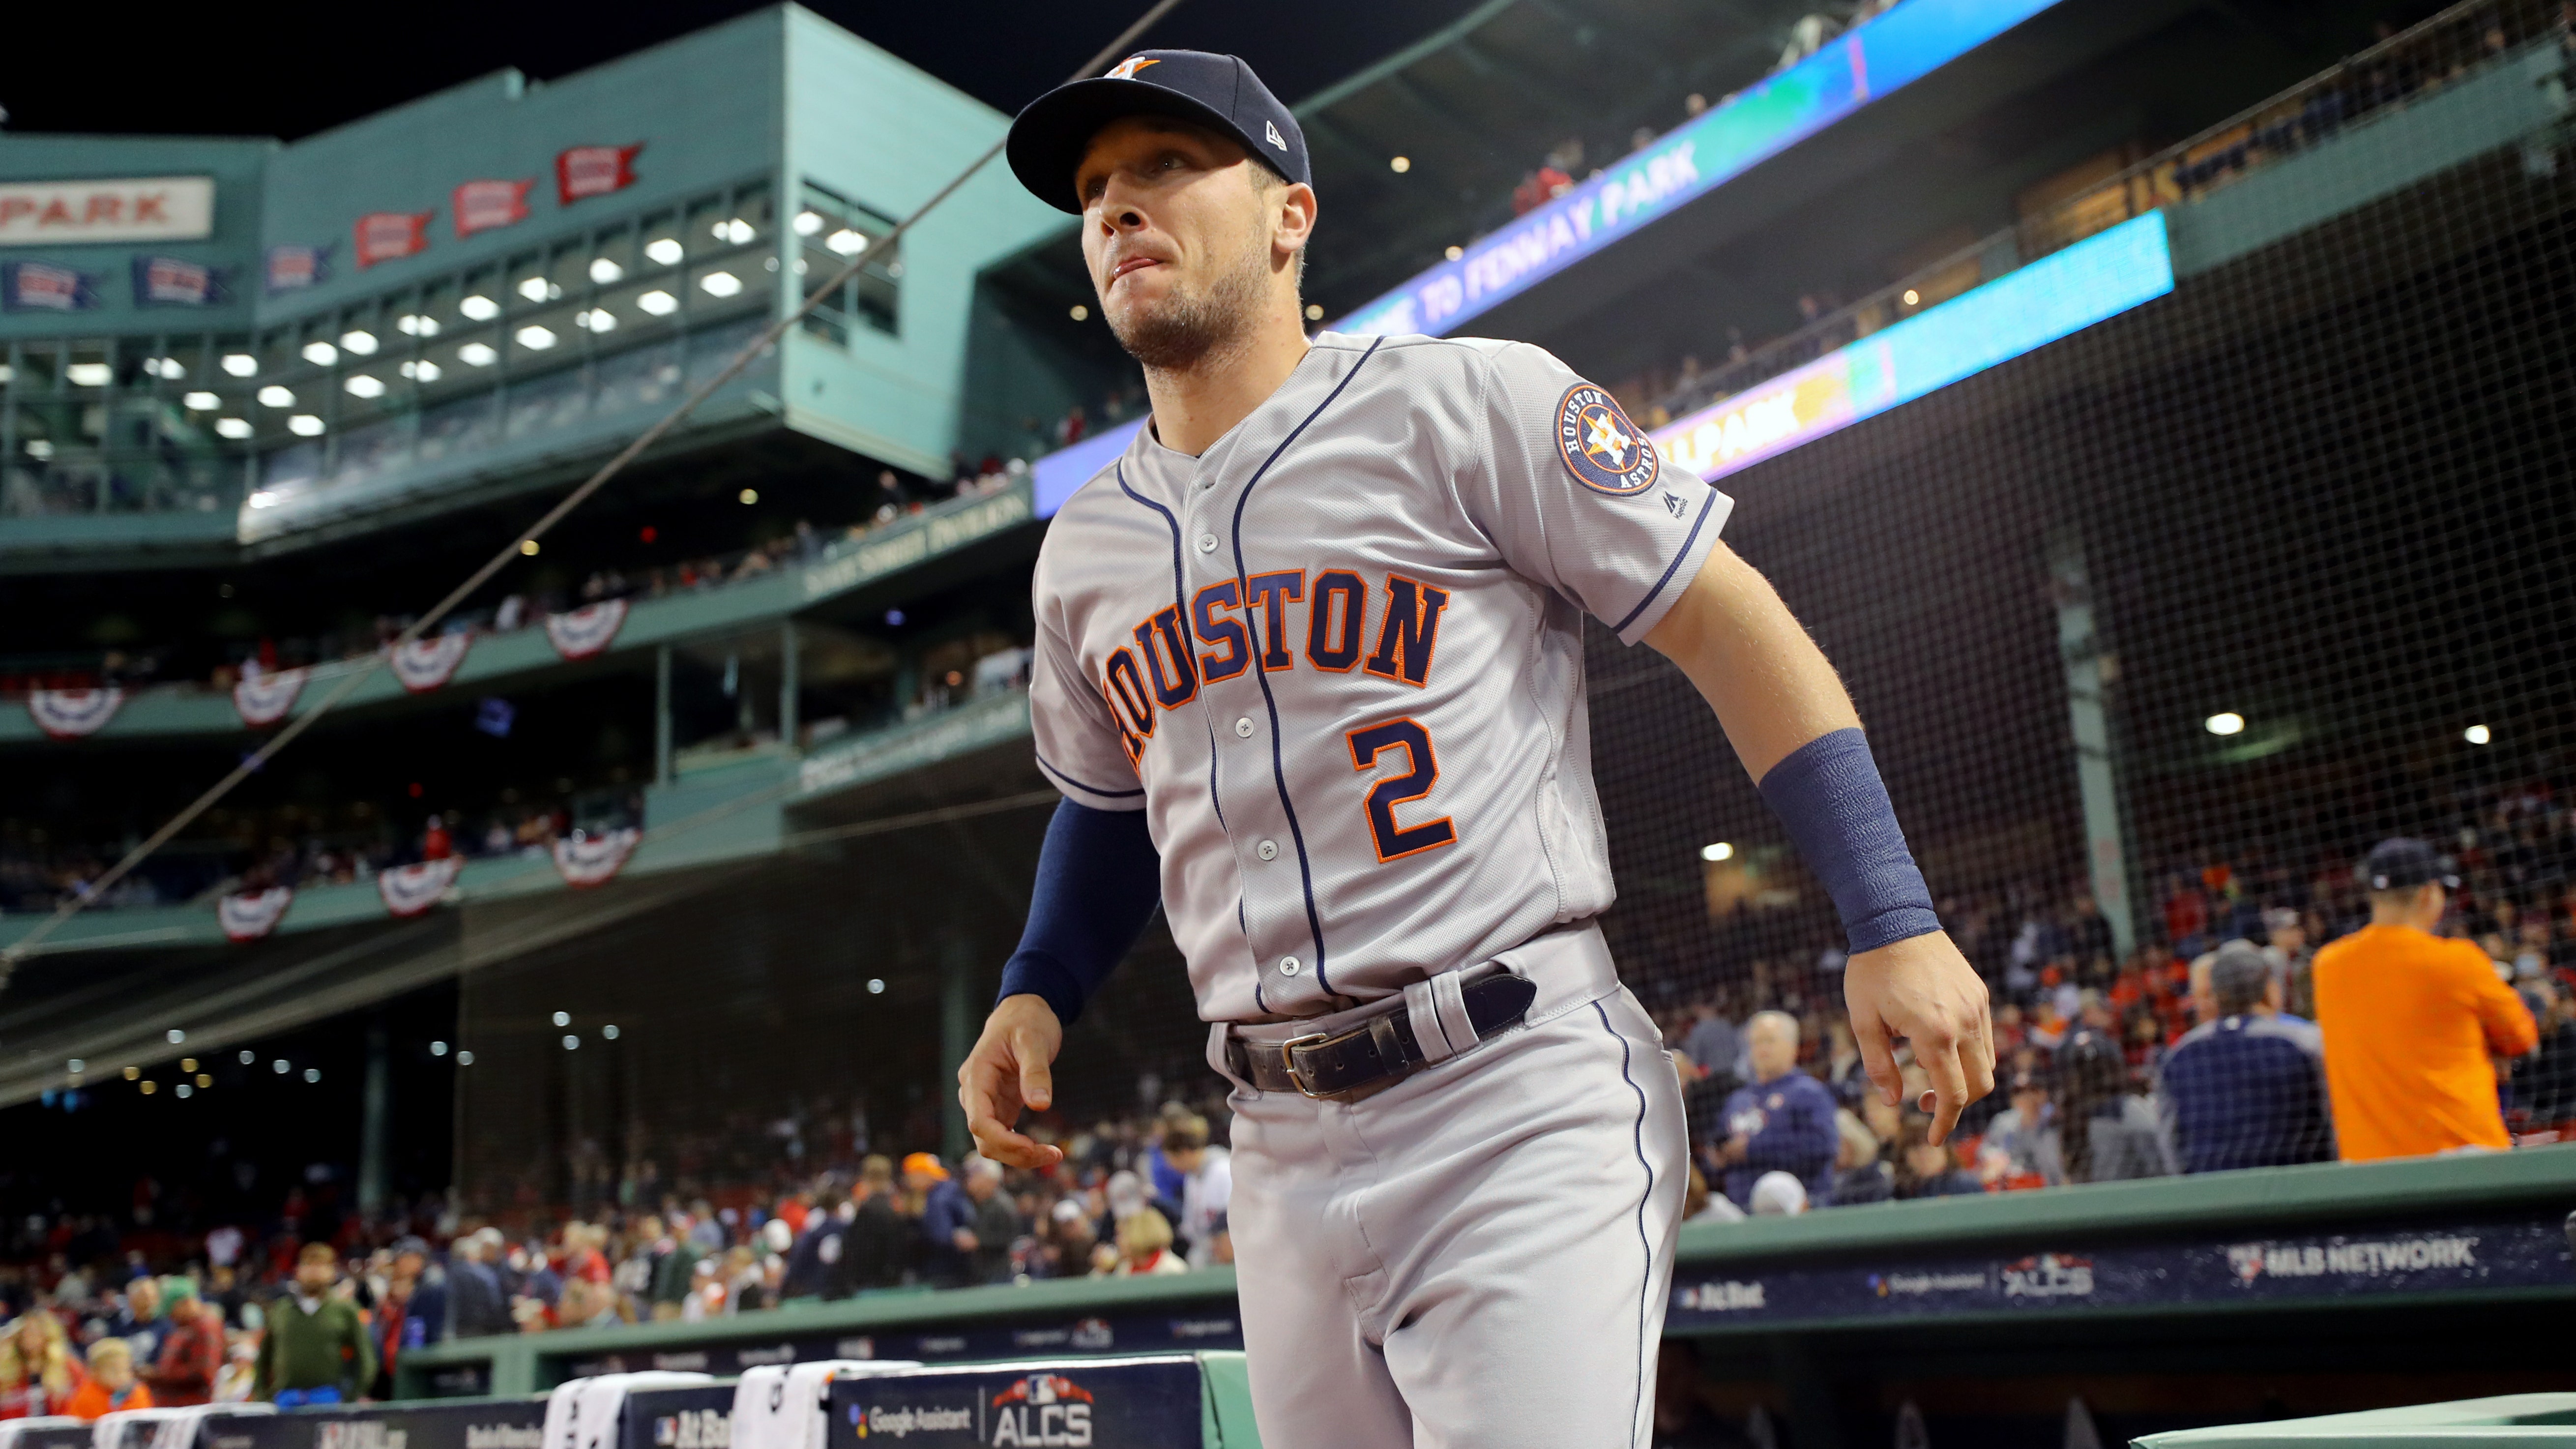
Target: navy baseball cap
1216	91
2398	863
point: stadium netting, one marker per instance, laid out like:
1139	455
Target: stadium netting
2155	631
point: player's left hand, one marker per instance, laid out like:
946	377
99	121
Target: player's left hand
1923	990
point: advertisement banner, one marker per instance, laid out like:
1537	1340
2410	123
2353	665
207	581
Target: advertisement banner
292	267
44	287
483	205
171	282
142	208
1213	1326
384	236
2341	1267
662	1418
594	171
414	1424
1119	1401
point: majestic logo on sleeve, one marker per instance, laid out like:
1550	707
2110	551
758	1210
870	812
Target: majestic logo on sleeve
1605	451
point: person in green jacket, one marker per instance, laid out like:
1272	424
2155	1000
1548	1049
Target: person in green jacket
315	1349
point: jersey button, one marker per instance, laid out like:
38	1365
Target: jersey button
1243	727
1288	966
1267	850
1207	543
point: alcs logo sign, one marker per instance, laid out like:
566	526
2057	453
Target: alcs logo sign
1048	1410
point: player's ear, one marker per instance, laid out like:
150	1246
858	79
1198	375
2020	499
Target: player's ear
1292	218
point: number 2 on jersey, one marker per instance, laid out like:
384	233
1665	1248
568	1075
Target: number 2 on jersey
1422	771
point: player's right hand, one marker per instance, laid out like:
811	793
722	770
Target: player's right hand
1008	1071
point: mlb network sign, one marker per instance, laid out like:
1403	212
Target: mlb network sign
149	208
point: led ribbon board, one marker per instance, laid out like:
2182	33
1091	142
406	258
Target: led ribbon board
1904	44
2097	278
1907	42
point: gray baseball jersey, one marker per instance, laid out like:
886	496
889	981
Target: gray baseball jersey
1337	660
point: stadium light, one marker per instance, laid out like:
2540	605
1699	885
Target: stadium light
420	371
151	1087
414	324
598	319
465	1058
477	354
1080	313
1399	164
846	242
90	374
186	1091
359	342
2227	722
563	1018
1314	311
278	1066
664	250
1454	253
273	396
361	384
1912	297
658	302
608	1032
572	1043
876	986
604	271
536	338
479	307
78	1065
133	1072
720	284
808	222
205	1079
176	1036
736	231
305	425
321	354
438	1048
2477	734
312	1074
1715	853
749	496
528	549
534	289
248	1057
240	364
235	428
202	402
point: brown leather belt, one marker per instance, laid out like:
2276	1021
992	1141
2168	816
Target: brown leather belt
1375	1053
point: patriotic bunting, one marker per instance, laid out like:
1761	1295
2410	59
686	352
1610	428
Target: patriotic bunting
588	860
594	171
44	287
424	664
409	890
384	236
587	630
483	205
68	714
170	282
264	699
249	915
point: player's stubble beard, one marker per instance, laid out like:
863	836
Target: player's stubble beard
1193	327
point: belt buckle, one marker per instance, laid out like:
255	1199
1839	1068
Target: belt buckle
1288	1062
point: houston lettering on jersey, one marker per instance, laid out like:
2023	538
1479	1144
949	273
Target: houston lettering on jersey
1332	617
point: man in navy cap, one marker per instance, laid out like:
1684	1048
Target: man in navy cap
1327	565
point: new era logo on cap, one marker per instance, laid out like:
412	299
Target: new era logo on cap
1219	92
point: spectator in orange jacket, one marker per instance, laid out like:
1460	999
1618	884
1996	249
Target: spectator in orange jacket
112	1384
2412	1022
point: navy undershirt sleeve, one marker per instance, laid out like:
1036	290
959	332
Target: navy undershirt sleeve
1830	796
1099	880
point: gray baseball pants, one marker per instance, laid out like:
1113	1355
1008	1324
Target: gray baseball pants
1479	1255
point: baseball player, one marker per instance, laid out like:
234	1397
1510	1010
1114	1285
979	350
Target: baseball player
1309	674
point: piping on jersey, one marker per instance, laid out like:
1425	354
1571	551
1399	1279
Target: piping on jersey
1643	1241
1180	601
1077	784
1657	591
1278	764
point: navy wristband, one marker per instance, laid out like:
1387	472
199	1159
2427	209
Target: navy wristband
1830	796
1098	882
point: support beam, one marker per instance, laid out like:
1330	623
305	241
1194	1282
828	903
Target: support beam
2088	668
376	1122
787	684
959	1023
662	716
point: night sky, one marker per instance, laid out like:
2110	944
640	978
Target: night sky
291	69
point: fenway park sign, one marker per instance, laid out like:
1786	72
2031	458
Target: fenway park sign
148	208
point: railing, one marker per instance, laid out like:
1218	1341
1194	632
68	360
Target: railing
2400	71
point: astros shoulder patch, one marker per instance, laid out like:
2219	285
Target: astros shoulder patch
1605	452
